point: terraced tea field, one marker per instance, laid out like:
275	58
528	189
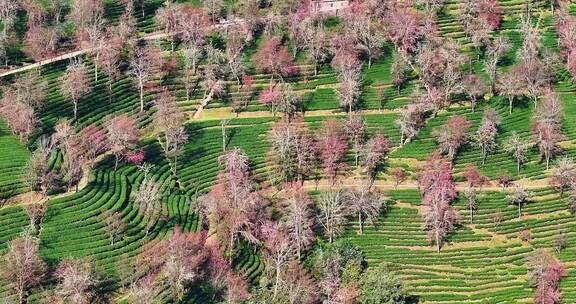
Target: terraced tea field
484	261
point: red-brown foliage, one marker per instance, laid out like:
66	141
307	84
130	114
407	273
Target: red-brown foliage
274	58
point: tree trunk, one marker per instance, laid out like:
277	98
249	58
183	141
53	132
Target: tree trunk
360	223
109	90
187	88
21	295
175	163
519	210
510	105
96	67
231	248
75	109
517	166
223	138
141	97
116	162
315	68
350	109
437	242
471	215
299	250
277	281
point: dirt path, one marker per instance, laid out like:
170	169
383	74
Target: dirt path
351	182
227	113
147	37
151	36
204	103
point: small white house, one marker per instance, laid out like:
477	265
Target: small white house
328	6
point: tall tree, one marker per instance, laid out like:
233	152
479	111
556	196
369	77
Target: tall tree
510	86
146	63
441	71
356	129
365	29
177	138
77	281
317	44
348	67
332	148
4	46
473	177
144	291
288	101
298	218
471	196
495	50
84	12
75	83
272	57
519	197
22	267
409	121
400	72
544	273
30	89
452	135
191	54
439	220
213	8
168	19
37	175
8	15
518	148
564	175
403	29
35	212
93	38
300	24
278	249
168	118
485	137
183	261
546	127
122	136
287	149
438	190
20	117
114	225
399	176
374	154
41	42
233	206
474	88
366	204
333	210
109	60
148	200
